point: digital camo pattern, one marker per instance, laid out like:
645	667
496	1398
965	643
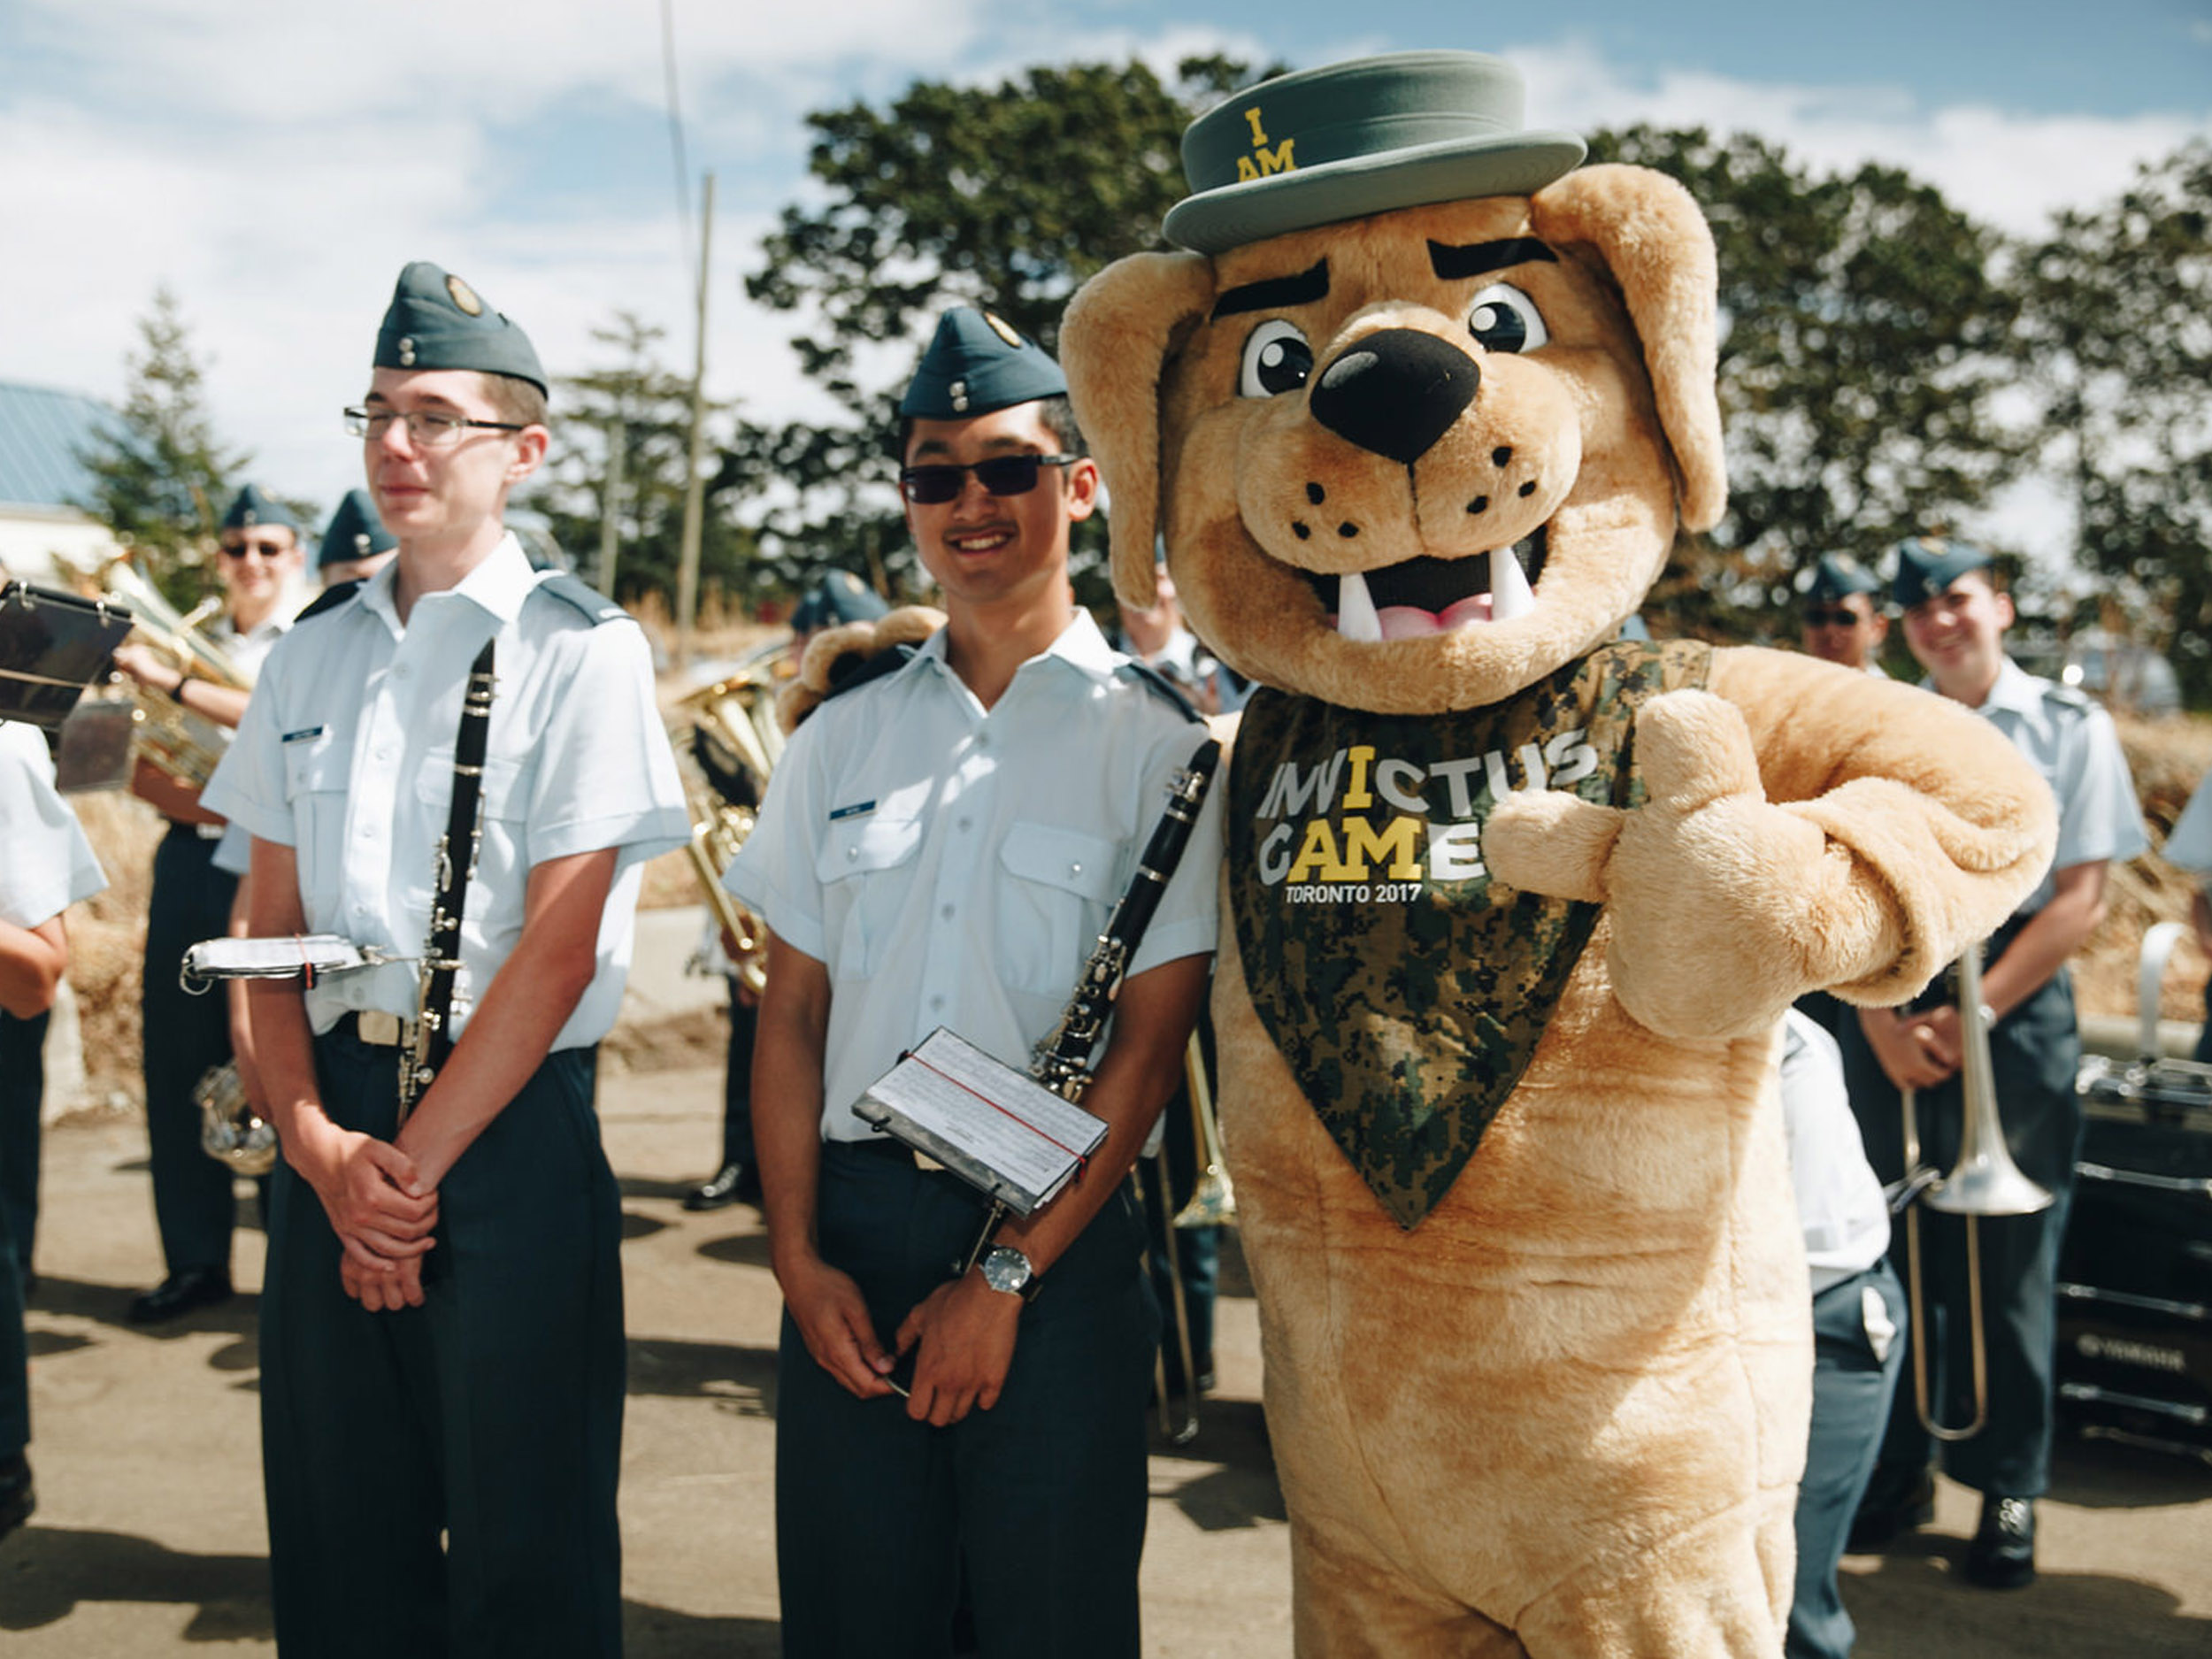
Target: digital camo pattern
1406	991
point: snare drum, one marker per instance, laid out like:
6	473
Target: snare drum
2135	1275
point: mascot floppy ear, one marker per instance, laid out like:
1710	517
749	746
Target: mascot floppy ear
1645	230
1114	341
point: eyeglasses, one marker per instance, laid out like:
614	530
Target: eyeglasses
1001	475
1830	617
267	549
425	427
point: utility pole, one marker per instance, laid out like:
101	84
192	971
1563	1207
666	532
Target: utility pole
694	485
610	508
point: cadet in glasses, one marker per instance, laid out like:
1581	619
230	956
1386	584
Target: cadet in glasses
941	845
187	1036
1841	624
441	1341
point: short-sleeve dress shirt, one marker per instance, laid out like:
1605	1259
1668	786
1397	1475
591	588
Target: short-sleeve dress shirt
953	865
46	863
2071	741
2189	846
1839	1200
346	756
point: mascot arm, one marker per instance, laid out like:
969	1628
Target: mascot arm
1803	827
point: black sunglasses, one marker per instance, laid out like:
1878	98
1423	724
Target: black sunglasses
1001	475
267	549
1830	617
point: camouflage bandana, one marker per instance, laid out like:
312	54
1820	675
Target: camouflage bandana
1406	994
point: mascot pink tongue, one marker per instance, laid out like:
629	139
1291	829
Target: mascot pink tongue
1515	906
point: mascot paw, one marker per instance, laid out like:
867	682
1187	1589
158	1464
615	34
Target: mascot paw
835	654
1721	904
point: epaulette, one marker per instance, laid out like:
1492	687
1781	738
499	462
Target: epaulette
331	598
593	606
1160	686
2068	697
853	671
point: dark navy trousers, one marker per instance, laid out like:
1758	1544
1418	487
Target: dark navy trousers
195	1203
491	1415
1038	1503
22	1086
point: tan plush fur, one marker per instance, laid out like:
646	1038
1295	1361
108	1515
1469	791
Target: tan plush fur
1566	1414
856	641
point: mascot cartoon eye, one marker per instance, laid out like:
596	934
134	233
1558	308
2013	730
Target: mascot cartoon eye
1503	319
1276	358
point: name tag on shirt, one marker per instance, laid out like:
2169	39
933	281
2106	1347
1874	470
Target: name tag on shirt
856	810
304	735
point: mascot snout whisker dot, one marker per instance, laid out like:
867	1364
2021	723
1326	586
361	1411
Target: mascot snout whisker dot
1514	906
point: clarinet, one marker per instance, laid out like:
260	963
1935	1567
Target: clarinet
429	1040
1061	1061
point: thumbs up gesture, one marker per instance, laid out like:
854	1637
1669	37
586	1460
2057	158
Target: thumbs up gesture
1723	907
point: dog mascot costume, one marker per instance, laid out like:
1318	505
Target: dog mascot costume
1516	907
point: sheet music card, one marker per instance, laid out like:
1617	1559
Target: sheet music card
998	1129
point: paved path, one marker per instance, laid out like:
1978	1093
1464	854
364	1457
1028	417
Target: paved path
150	1540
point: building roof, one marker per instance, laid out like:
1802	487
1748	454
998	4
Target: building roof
43	433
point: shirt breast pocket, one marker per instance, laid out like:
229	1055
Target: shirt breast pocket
315	781
1059	883
862	867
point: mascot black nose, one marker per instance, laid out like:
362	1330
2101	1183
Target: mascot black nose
1396	392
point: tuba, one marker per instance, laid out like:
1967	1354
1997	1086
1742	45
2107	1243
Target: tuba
184	745
1984	1181
733	745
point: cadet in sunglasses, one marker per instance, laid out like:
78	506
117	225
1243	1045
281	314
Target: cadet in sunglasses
1841	622
186	1036
938	846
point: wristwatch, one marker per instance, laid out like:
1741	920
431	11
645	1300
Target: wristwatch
1007	1269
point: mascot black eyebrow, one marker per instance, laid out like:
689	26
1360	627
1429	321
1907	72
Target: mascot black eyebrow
1518	907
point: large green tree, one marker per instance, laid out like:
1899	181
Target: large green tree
1863	347
162	480
1005	197
637	403
2115	332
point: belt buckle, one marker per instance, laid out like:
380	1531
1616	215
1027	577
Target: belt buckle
377	1028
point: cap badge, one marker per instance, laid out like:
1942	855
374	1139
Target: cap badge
464	296
1003	329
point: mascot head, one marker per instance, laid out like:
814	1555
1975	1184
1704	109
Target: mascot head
1420	409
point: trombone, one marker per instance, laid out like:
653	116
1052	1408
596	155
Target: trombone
1984	1181
1212	1204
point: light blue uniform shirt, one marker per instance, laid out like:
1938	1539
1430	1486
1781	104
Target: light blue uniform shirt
954	866
1839	1200
2071	741
46	863
346	756
2189	846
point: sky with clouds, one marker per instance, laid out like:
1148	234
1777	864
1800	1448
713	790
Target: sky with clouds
275	163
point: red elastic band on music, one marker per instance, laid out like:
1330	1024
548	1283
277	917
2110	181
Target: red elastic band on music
1081	1162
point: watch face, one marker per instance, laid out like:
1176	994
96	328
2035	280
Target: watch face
1006	1270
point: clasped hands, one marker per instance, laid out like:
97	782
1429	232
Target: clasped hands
963	1333
382	1209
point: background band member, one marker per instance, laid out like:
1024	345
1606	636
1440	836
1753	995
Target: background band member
941	845
1955	617
1841	623
1858	1326
356	545
2190	848
46	865
441	1321
839	597
185	1035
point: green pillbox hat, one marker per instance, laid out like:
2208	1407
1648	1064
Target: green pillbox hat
356	530
1358	138
252	507
1928	564
1838	576
977	362
437	321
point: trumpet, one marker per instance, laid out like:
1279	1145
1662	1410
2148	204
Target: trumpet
1984	1181
184	745
733	745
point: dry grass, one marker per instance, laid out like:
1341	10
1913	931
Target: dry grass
107	940
2168	760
